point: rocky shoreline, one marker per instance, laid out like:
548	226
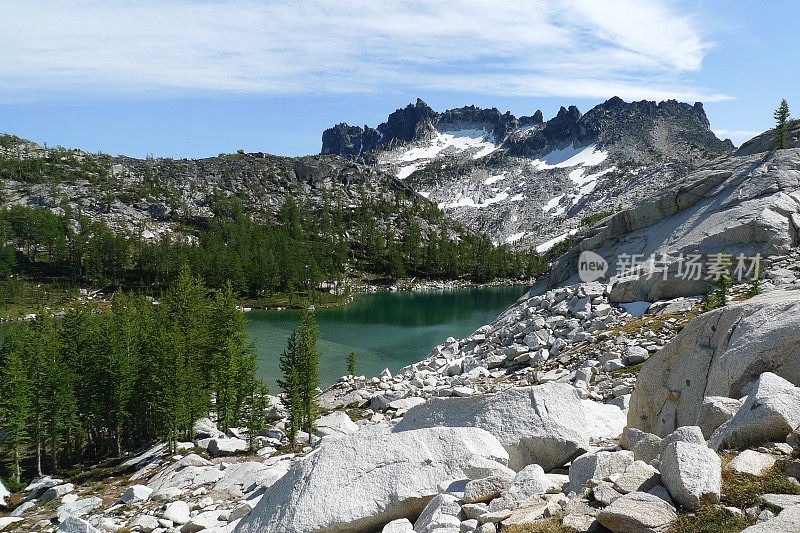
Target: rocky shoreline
102	301
522	422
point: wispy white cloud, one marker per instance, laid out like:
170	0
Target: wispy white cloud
579	48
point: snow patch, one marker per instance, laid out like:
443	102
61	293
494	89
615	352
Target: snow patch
545	246
406	171
425	194
576	176
551	203
583	191
515	237
586	184
494	179
571	157
452	141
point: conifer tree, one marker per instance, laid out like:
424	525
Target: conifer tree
186	304
233	358
290	367
724	281
308	335
754	283
123	363
707	304
781	116
15	401
257	405
53	381
351	363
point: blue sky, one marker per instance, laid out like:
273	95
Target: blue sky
196	78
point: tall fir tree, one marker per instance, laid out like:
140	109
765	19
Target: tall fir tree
290	367
308	335
186	305
15	401
781	116
724	281
124	324
233	358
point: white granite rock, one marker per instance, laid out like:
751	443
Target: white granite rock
769	413
364	480
638	512
598	465
136	493
544	424
751	462
691	473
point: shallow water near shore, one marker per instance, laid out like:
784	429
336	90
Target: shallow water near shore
385	329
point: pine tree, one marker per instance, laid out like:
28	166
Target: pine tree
706	304
15	401
351	363
233	356
257	405
754	283
124	364
186	305
723	282
54	405
290	216
781	116
308	335
84	350
290	366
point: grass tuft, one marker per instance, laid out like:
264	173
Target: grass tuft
548	525
744	490
630	370
711	519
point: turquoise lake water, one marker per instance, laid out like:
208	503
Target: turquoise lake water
386	329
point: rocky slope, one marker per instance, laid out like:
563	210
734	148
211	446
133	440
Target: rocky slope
745	203
524	180
569	409
161	196
520	423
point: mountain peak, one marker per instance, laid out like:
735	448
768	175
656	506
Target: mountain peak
613	122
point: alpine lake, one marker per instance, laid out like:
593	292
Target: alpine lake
384	329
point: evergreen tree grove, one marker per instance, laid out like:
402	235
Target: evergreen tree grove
257	258
98	385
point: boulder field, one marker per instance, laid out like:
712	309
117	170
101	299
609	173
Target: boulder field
719	354
566	409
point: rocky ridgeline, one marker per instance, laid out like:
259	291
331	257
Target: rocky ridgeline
524	180
523	421
158	196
